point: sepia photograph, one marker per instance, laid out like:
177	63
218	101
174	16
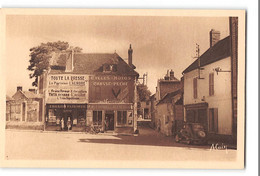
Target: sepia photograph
123	88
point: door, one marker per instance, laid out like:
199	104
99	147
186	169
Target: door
202	118
109	117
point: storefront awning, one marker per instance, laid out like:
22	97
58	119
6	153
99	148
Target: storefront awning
196	106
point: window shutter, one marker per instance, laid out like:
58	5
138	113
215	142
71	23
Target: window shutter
211	84
195	88
215	120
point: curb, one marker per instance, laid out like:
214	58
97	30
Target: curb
72	132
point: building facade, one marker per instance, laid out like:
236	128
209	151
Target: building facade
170	113
24	110
207	89
164	86
90	89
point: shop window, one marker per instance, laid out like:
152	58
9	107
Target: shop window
52	117
80	120
97	117
121	117
130	117
211	84
213	120
195	87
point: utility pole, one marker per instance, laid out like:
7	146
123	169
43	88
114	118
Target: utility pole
198	57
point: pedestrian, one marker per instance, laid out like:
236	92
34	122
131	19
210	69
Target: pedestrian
62	124
69	123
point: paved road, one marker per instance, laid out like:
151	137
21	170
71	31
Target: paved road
149	145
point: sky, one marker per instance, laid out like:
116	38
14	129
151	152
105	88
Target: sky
159	43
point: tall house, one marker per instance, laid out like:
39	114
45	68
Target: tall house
166	85
90	89
208	90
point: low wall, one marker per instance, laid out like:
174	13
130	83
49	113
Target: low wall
25	125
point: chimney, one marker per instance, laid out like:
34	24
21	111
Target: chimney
171	75
19	88
214	37
130	52
32	90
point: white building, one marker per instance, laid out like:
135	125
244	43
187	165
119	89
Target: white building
207	89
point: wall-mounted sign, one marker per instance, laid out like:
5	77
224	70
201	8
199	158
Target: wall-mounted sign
111	88
67	88
110	106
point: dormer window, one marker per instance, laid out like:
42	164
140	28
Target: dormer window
109	68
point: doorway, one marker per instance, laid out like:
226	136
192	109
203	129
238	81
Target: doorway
109	120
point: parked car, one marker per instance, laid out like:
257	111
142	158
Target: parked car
192	133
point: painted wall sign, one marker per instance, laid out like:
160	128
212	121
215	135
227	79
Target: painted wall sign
110	106
67	106
114	88
67	88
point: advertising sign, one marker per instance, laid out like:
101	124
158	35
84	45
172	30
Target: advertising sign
67	88
114	88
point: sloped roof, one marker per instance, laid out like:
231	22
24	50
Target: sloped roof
27	94
220	50
90	63
169	96
8	98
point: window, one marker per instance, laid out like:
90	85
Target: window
213	120
121	117
146	113
109	68
195	91
97	117
211	84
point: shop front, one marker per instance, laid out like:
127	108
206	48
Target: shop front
197	113
111	117
66	102
62	113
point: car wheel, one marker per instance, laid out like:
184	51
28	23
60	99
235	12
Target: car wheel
201	134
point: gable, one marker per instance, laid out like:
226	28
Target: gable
220	50
19	96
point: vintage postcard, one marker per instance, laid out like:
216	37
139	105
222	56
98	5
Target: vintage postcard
122	88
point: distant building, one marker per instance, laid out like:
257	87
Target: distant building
90	89
164	86
153	110
168	84
24	110
207	89
170	113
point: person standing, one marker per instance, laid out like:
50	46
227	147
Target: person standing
69	123
62	124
